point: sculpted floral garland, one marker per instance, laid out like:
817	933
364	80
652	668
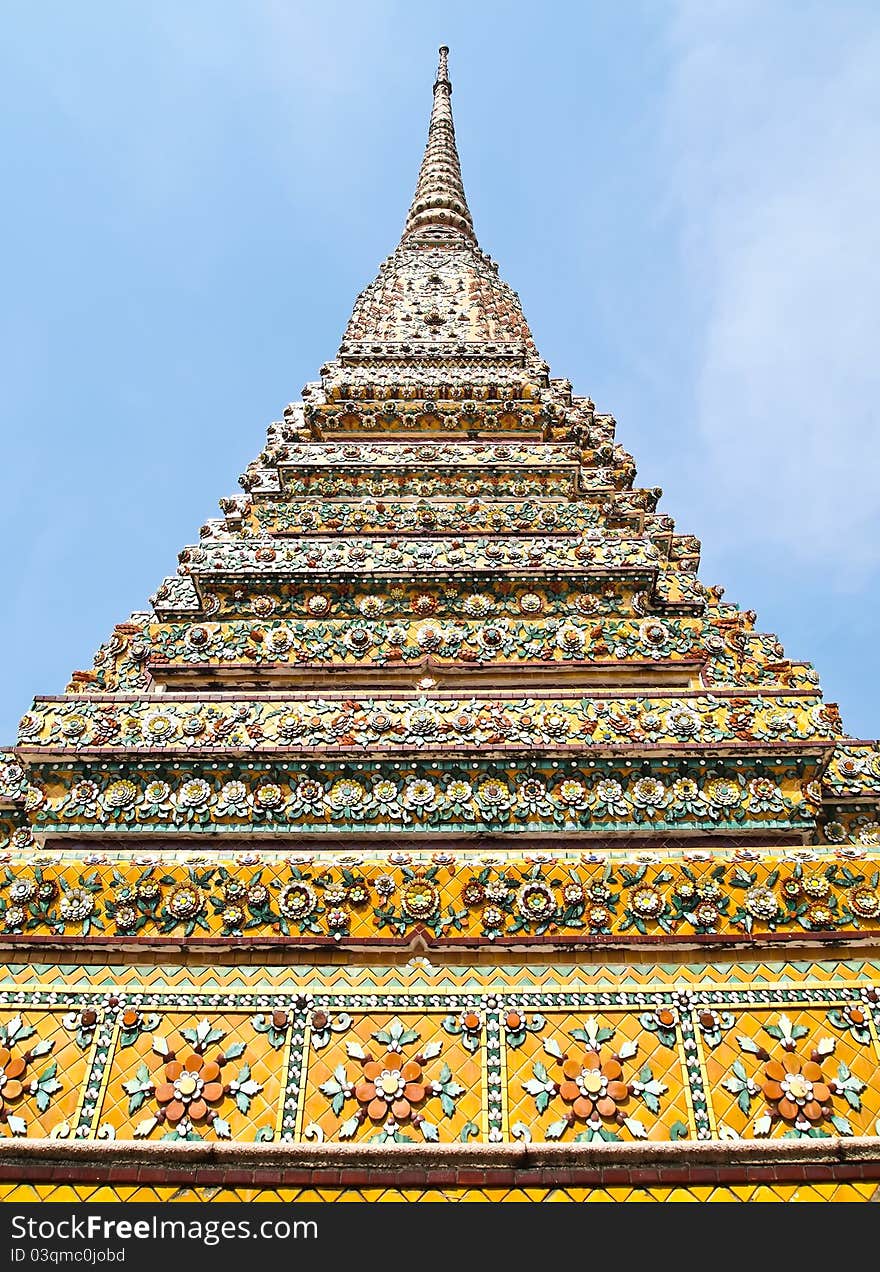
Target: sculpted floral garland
421	722
649	587
475	516
440	798
425	454
352	484
486	641
423	412
146	896
460	516
273	556
406	599
431	796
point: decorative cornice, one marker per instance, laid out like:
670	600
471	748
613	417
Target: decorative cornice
178	1161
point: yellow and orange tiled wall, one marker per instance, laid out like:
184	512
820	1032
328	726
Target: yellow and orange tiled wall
447	1054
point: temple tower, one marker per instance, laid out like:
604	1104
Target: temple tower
435	824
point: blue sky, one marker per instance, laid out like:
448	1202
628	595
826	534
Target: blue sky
684	192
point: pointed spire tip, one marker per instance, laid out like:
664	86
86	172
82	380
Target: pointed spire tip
439	207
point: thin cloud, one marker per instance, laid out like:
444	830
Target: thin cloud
775	171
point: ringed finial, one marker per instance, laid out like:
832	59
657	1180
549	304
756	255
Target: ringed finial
439	209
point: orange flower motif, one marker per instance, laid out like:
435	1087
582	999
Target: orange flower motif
11	1071
591	1085
796	1089
190	1086
392	1085
390	1088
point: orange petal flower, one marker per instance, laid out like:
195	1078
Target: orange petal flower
210	1071
414	1092
173	1070
165	1092
212	1092
175	1111
365	1092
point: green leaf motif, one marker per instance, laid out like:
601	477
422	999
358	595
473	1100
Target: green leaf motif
138	1088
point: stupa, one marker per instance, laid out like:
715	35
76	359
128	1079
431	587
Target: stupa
436	832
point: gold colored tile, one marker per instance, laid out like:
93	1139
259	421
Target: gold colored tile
64	1064
452	1064
257	1056
859	1058
663	1062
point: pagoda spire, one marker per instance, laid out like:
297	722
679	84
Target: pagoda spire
439	202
